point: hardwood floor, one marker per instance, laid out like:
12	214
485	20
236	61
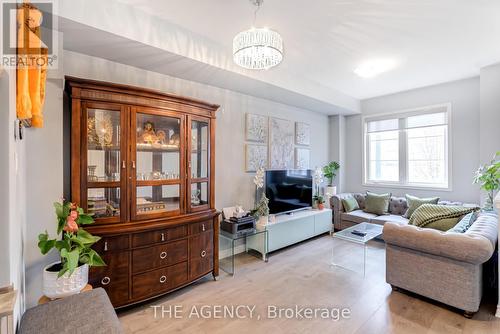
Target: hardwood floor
302	275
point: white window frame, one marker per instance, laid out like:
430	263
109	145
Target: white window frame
403	152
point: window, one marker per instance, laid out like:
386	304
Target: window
408	149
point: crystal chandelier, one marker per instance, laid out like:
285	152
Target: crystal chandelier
257	48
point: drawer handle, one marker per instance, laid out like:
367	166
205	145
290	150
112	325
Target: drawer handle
105	246
203	253
163	279
203	227
163	255
106	280
163	237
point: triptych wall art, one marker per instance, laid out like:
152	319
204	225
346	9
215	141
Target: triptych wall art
271	143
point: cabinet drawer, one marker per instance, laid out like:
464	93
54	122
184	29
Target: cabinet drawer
114	277
159	256
196	228
157	281
157	236
201	245
110	244
201	266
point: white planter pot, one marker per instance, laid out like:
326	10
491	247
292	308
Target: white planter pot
330	191
65	285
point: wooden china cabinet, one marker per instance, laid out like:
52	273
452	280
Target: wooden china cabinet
143	162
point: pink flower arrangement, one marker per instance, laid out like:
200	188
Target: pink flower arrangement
75	244
71	225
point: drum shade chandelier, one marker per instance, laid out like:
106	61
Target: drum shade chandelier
257	48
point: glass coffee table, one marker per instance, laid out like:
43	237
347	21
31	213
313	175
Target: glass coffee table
359	234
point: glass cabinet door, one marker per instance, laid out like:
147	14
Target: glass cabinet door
198	163
104	166
157	152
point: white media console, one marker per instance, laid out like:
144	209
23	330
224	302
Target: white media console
292	228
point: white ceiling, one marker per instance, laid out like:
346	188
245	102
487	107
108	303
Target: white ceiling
434	41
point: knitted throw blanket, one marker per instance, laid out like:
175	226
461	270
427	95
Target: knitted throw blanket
429	213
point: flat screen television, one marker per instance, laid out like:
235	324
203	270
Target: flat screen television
289	190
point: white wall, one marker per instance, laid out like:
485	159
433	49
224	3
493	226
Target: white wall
337	147
44	179
490	112
12	195
489	118
233	185
464	98
4	180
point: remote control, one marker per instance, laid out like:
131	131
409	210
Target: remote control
361	234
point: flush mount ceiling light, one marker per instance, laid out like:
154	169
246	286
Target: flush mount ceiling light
257	48
372	68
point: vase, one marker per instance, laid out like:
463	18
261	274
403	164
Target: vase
321	206
331	190
66	285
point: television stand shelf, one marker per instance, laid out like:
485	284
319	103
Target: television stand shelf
292	228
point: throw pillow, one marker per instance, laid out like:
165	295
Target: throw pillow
465	223
377	203
350	204
414	202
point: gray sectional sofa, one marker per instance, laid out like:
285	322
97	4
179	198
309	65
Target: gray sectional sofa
444	266
397	208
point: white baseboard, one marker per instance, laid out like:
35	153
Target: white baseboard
227	252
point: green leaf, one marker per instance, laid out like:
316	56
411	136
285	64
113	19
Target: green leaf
62	244
66	210
71	259
61	222
87	238
80	211
95	259
45	244
77	241
43	236
84	219
59	209
84	258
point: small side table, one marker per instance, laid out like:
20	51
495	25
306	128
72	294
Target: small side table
227	243
44	299
7	303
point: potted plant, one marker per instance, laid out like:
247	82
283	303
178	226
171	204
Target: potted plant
330	172
69	275
320	202
261	210
488	177
318	180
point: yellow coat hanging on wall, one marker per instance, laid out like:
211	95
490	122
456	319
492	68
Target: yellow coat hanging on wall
32	66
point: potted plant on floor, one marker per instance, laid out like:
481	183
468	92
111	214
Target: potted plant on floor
69	275
330	172
488	177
